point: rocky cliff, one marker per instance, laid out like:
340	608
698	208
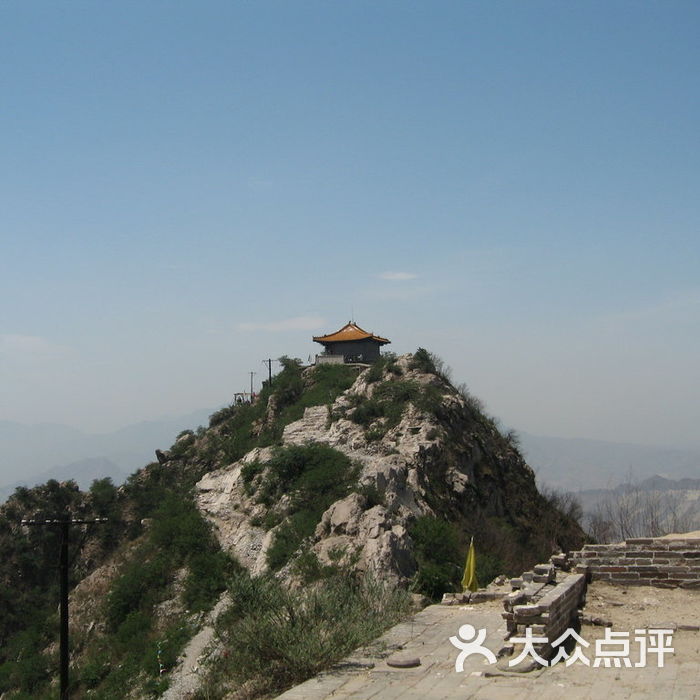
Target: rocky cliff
421	449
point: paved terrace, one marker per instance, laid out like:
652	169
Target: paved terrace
366	674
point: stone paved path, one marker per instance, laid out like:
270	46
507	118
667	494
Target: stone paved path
425	636
367	676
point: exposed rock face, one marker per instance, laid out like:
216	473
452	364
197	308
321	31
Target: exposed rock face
222	498
450	462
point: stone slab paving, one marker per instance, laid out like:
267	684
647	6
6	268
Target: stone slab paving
367	676
426	636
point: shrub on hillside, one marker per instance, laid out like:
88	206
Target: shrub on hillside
276	637
312	477
389	401
439	556
177	538
423	361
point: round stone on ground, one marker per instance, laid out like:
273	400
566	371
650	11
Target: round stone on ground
403	661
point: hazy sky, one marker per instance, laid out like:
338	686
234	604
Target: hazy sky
190	187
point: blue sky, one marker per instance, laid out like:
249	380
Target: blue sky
190	187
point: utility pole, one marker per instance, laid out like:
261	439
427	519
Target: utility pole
64	528
268	362
251	385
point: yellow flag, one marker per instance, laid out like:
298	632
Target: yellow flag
469	582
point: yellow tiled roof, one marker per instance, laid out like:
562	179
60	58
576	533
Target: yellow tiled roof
350	331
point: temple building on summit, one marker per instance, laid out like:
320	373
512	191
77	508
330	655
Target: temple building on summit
350	344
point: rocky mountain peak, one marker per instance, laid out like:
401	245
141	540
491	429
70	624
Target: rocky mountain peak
414	447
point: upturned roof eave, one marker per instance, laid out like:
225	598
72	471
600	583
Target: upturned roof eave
349	333
324	339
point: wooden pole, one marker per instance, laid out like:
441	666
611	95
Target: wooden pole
268	362
64	565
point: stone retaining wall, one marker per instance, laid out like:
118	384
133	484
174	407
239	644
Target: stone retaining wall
666	563
550	612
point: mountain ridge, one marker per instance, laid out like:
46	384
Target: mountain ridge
574	464
353	483
28	453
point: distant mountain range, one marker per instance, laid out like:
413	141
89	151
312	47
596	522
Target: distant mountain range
83	472
573	464
646	486
590	498
33	454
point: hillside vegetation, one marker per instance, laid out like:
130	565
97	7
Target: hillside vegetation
336	485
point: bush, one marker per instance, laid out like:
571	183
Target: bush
309	568
276	637
375	372
389	401
429	401
307	471
95	670
288	385
104	503
132	632
206	578
28	667
474	404
242	427
222	415
399	391
179	528
423	361
289	536
385	363
439	556
323	385
313	476
138	587
178	536
367	411
248	473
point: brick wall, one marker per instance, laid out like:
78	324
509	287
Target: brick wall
550	610
666	563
